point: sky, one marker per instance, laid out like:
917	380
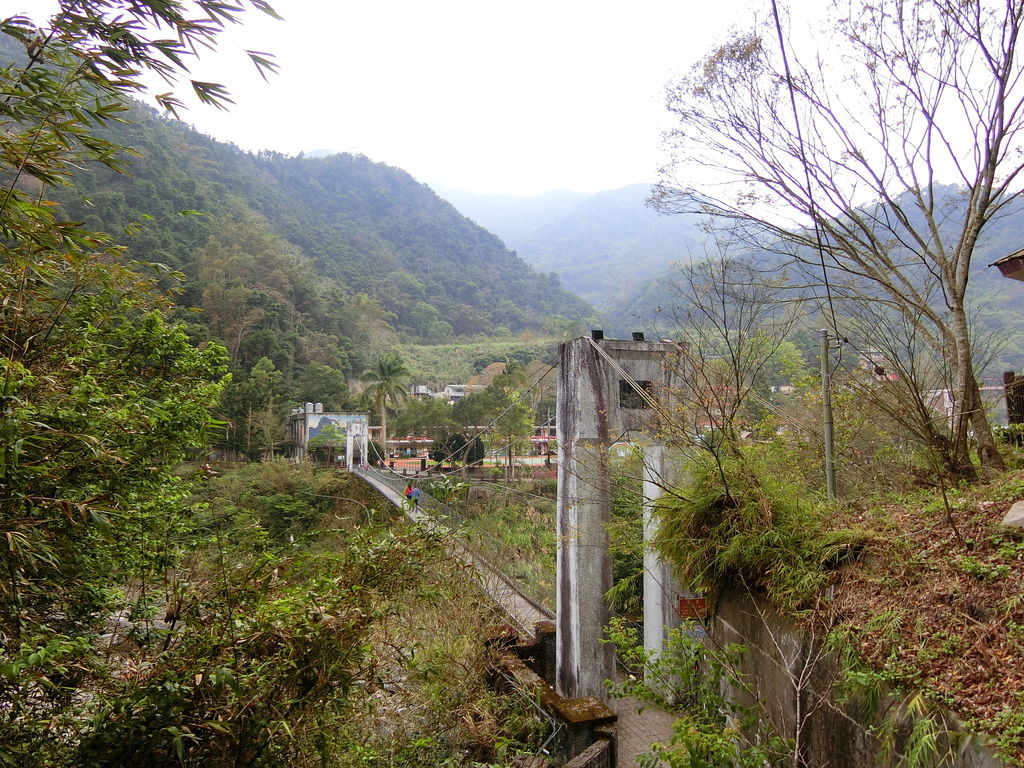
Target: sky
507	97
491	97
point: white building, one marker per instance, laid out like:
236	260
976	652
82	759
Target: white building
309	428
455	392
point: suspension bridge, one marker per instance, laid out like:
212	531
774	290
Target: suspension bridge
637	726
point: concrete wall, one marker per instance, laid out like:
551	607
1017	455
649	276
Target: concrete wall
789	679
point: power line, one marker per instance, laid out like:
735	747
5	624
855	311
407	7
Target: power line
803	161
485	430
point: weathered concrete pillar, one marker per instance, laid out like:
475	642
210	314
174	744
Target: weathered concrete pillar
661	588
608	389
584	571
348	450
546	632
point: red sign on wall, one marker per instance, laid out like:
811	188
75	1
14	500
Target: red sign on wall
693	608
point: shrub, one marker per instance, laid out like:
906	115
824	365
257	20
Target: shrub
736	524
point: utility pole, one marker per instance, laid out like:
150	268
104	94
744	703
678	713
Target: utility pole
826	405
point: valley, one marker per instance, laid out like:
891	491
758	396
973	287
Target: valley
755	435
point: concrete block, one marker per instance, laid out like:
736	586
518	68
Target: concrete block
545	633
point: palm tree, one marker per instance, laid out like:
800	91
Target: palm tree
388	376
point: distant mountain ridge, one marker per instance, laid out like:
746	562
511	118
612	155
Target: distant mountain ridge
997	303
511	217
603	246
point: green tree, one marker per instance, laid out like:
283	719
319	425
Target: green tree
389	378
254	407
99	402
458	447
430	416
439	332
422	316
503	408
320	383
100	394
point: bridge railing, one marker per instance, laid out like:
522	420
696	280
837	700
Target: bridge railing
501	588
451	516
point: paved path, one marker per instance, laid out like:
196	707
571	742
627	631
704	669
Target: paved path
638	725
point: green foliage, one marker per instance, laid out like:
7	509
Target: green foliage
388	379
626	533
289	616
253	408
459	448
447	489
434	670
265	652
1009	724
437	365
736	524
983	570
503	407
282	499
912	731
320	383
366	229
101	394
294	647
1011	434
430	416
99	398
710	729
513	526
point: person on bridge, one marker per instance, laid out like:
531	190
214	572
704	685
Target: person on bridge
416	497
408	494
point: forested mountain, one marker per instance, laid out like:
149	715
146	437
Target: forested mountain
603	246
306	269
998	303
370	227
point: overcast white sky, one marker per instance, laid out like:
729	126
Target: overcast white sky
518	97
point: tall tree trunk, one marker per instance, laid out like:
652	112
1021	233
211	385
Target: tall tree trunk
968	408
988	450
960	363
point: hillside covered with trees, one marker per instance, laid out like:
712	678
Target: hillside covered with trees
307	270
369	227
662	304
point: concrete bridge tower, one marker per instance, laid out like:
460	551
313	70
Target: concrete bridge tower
608	391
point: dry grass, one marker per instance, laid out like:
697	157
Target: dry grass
943	615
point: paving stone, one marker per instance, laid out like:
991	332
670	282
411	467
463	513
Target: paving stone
639	726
